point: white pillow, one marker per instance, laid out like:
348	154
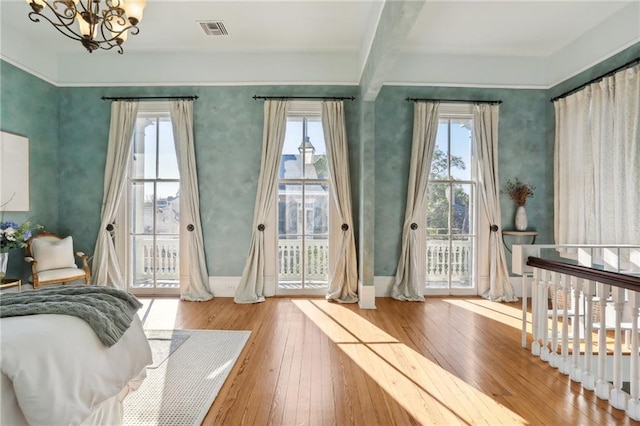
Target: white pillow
53	254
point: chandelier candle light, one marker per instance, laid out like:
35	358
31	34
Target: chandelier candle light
97	24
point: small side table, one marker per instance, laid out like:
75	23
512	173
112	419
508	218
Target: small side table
10	282
518	235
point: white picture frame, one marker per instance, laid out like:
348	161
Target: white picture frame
14	172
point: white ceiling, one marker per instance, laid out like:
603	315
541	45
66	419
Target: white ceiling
487	43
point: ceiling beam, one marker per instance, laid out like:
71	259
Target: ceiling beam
396	20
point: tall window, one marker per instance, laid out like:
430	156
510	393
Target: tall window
451	208
303	205
151	211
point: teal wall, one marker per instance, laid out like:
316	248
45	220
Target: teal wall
29	107
228	138
523	152
68	131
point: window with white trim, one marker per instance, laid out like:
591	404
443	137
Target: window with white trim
450	259
148	231
305	205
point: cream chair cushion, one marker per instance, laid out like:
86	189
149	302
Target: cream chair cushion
53	253
61	274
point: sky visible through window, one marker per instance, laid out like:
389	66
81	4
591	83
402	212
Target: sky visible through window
167	160
293	137
460	145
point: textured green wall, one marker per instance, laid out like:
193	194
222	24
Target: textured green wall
29	107
523	152
228	138
68	131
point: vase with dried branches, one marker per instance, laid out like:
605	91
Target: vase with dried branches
519	192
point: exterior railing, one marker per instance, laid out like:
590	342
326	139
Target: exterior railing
290	260
439	268
585	316
166	265
290	255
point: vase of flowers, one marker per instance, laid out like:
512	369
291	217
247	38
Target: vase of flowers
12	236
519	192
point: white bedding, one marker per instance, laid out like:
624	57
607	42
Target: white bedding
55	370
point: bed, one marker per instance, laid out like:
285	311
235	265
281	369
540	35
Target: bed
57	371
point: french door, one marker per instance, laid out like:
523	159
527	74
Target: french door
152	209
451	210
304	189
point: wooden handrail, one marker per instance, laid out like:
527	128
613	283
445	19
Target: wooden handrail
615	279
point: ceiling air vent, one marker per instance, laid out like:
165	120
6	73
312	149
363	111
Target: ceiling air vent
213	28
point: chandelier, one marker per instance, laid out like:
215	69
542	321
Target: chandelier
97	24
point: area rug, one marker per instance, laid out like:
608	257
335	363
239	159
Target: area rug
163	343
182	387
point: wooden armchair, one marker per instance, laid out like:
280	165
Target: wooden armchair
52	260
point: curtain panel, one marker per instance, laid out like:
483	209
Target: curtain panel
485	128
194	278
597	162
407	285
343	281
106	269
251	286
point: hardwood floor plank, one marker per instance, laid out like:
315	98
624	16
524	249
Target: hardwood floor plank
445	361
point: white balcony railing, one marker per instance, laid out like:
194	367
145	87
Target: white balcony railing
439	267
290	256
166	265
585	316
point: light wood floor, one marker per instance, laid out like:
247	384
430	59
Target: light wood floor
445	361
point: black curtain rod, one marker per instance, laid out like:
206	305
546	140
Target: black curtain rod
136	98
457	101
333	98
597	79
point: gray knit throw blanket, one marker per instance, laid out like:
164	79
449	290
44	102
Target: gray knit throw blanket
108	311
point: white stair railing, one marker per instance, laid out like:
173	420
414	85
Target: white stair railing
584	317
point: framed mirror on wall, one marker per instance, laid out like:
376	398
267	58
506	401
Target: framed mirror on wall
14	172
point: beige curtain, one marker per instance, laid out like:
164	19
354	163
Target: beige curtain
597	162
106	270
194	279
251	287
572	125
486	150
343	282
407	286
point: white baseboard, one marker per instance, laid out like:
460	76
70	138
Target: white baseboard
383	285
366	296
223	286
226	287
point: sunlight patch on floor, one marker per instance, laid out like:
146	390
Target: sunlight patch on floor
504	314
429	393
512	317
158	313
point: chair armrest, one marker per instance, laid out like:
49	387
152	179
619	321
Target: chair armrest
29	259
85	265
